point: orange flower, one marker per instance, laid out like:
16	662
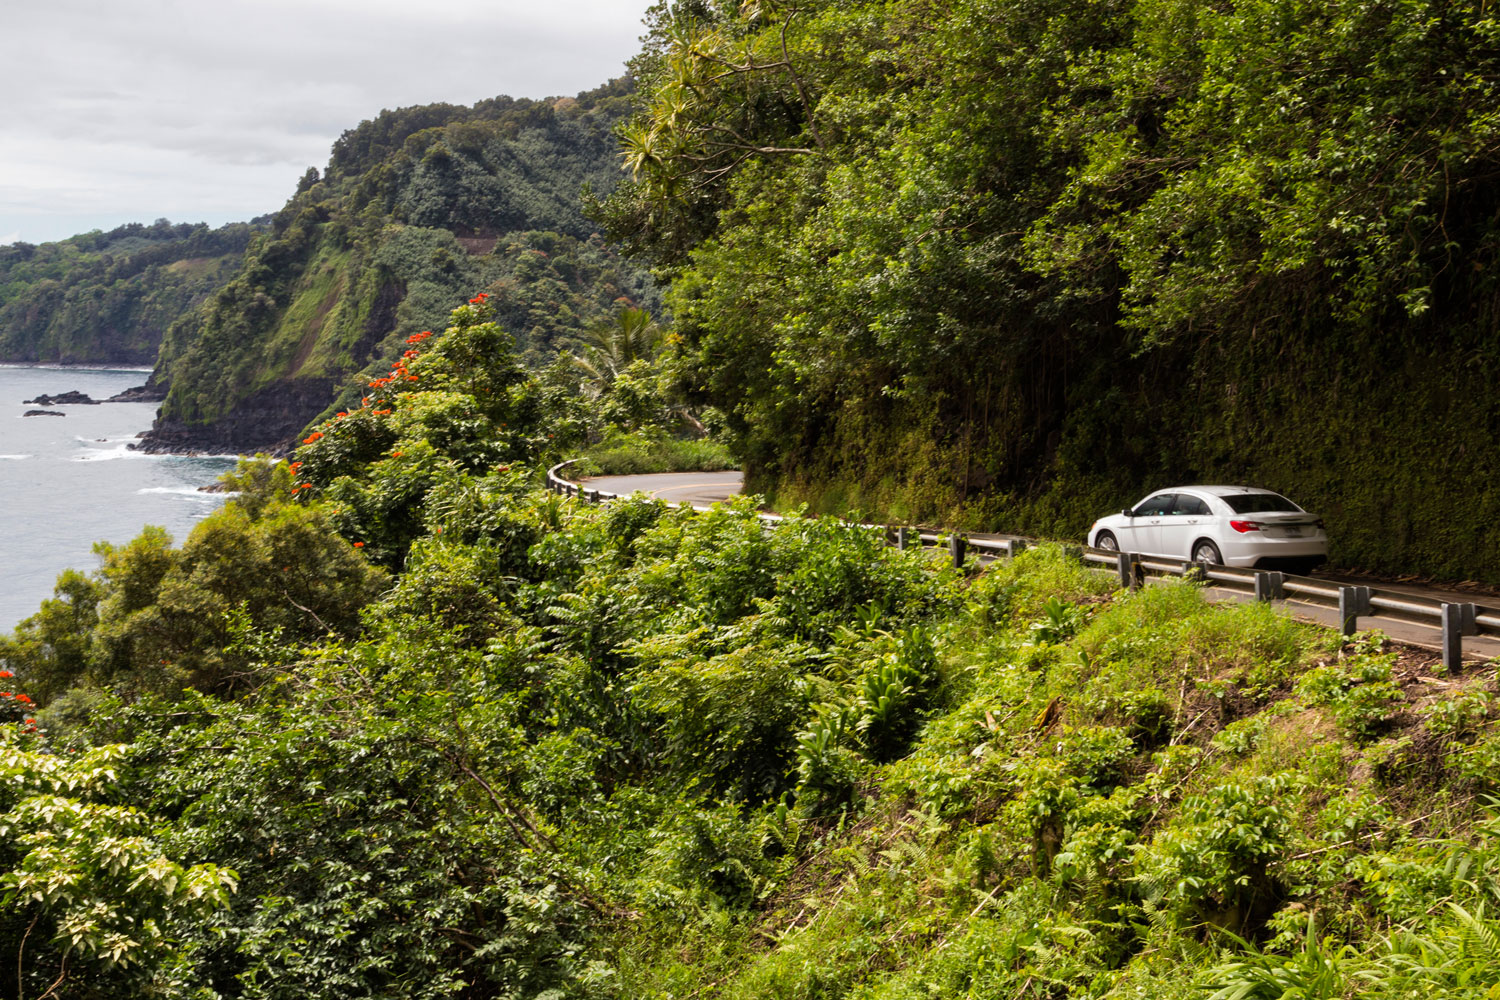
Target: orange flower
359	545
295	466
6	673
23	699
478	299
315	435
341	414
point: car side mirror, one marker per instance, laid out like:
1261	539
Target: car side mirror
1126	513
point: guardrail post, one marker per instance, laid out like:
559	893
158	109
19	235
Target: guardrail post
1458	621
902	538
1016	547
1130	574
1354	603
591	495
957	546
1270	586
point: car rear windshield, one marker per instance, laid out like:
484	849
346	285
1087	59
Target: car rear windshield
1259	503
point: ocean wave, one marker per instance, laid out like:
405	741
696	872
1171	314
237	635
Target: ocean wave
186	491
110	454
114	440
14	458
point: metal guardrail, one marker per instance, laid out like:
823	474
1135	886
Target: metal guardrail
1454	620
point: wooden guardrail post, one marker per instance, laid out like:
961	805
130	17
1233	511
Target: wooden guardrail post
1354	603
957	546
1458	621
1129	572
1269	586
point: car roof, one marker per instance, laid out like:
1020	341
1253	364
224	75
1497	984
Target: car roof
1218	491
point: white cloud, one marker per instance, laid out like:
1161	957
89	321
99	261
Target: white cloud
192	110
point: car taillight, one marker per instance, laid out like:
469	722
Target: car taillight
1318	524
1243	526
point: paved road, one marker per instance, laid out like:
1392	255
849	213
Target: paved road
704	488
697	488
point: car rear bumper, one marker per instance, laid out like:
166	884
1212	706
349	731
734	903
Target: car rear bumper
1275	553
1291	563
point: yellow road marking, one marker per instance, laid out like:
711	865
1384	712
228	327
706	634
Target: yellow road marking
693	486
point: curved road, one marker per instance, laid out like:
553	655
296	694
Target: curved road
697	488
704	488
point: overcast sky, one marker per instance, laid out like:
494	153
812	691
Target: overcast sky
210	110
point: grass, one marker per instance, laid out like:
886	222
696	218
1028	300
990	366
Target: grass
639	454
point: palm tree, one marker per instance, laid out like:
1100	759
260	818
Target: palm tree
614	343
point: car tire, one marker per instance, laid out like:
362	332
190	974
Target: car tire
1207	552
1106	540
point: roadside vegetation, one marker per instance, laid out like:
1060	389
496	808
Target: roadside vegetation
395	722
1011	265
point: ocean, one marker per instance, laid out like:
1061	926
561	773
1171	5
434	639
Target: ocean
68	482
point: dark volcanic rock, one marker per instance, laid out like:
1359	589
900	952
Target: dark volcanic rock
43	413
268	421
72	398
147	393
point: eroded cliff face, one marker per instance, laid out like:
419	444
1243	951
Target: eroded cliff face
269	421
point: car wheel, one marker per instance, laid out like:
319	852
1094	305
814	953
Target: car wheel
1106	541
1207	552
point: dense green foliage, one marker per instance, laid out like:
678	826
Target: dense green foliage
109	297
396	723
418	207
1011	263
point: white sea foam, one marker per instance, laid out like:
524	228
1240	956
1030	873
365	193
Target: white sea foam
14	458
111	454
185	491
106	440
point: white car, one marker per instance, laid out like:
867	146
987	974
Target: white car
1229	525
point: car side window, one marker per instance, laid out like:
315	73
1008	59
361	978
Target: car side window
1155	506
1188	505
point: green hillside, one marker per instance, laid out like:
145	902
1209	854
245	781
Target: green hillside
110	297
418	208
396	723
1000	263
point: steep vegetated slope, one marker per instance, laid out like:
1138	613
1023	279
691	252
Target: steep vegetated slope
110	297
417	208
1013	264
396	723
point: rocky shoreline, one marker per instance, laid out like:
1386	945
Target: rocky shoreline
136	394
270	421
